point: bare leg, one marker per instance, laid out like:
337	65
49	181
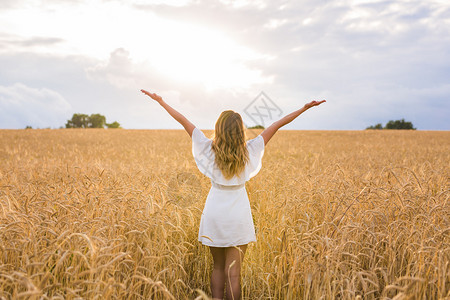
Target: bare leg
218	274
233	261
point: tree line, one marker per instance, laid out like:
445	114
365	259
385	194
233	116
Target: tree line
92	121
397	124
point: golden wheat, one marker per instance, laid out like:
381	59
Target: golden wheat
115	214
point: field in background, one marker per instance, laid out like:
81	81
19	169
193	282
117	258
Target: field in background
115	214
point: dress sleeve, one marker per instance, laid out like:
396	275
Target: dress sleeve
255	152
202	152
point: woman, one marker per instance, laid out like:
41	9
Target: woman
226	225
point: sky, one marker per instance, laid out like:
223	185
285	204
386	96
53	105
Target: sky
373	61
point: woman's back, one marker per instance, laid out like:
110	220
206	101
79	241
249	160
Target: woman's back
205	159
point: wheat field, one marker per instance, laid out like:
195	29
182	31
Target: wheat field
114	214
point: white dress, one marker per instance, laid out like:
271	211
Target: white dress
226	219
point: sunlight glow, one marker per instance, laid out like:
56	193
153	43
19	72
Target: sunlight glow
190	53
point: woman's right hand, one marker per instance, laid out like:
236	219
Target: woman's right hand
314	103
154	96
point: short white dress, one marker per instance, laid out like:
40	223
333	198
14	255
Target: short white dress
226	219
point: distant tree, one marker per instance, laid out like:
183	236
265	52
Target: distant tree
256	127
92	121
114	124
28	127
97	121
399	124
78	121
377	126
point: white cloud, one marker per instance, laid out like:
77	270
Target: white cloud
119	70
21	105
13	43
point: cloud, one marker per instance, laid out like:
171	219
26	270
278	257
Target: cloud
119	70
10	43
20	104
7	4
333	45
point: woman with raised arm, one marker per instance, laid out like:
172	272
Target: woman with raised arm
229	160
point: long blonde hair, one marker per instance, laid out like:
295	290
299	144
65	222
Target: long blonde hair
229	144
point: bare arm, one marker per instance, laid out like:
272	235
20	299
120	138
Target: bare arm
270	131
175	114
